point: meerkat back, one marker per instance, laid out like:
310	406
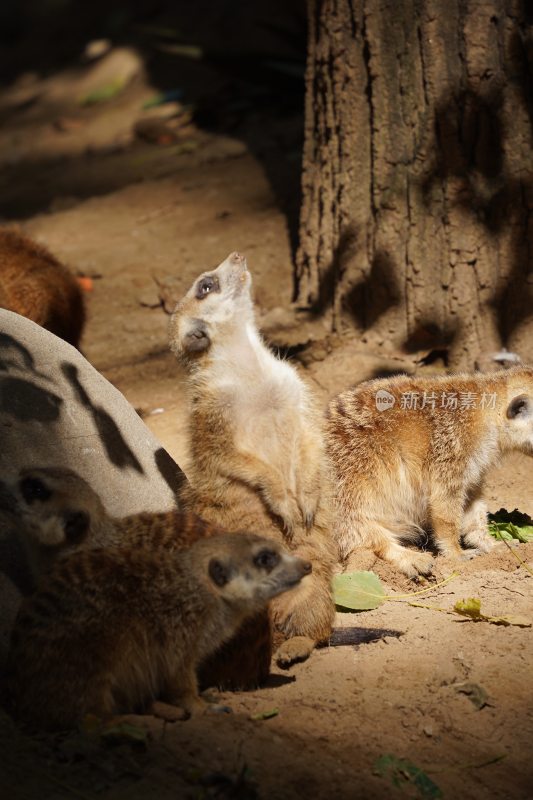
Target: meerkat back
36	285
410	457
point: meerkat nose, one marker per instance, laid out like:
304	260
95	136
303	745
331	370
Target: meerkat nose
237	258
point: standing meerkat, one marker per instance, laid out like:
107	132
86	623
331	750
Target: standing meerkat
36	285
411	455
257	457
114	631
58	513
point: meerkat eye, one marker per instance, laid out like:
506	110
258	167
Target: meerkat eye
207	285
34	489
266	559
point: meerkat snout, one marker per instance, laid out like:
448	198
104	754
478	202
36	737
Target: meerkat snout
250	570
237	258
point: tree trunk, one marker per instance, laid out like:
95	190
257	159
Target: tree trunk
417	173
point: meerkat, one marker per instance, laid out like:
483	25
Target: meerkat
257	455
113	631
411	454
59	513
36	285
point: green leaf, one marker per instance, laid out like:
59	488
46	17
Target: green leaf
273	712
358	591
103	93
509	525
401	771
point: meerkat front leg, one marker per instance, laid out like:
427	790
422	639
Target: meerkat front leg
181	699
269	482
475	527
308	480
445	516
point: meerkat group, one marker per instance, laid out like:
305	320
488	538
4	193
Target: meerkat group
163	601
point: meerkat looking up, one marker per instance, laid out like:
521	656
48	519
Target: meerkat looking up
257	458
411	455
113	631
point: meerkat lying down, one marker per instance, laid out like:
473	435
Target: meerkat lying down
117	630
35	284
257	458
411	454
58	513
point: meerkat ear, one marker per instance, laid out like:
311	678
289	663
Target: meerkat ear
33	489
218	572
75	525
197	338
519	406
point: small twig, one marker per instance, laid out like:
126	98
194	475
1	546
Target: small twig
458	767
515	554
422	591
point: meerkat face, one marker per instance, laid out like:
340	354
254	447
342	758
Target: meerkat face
216	301
56	506
517	429
250	570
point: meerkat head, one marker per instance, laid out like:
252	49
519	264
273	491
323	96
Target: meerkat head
217	302
517	433
248	570
57	508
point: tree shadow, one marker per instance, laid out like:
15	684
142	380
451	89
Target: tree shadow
469	145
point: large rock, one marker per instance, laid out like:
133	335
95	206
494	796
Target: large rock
57	410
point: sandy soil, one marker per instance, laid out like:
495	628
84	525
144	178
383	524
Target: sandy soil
143	220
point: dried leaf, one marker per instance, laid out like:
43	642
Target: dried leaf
475	693
472	608
469	608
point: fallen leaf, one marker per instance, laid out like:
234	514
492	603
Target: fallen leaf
273	712
358	591
103	93
472	608
475	693
469	608
401	771
510	525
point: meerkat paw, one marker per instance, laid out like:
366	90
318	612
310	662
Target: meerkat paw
480	541
308	504
293	650
287	509
415	564
168	712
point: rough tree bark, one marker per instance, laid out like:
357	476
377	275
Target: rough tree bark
417	173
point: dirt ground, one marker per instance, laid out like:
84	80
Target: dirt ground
143	219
